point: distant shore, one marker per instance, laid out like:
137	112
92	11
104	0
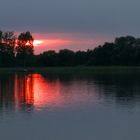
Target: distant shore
75	70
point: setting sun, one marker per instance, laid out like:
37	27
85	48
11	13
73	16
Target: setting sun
37	42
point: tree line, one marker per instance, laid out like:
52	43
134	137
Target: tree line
18	51
123	51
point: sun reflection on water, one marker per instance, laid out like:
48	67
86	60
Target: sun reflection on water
34	91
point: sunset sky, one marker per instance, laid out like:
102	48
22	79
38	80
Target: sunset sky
71	24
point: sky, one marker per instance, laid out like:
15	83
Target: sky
71	24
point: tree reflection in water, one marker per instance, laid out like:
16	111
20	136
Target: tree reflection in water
28	92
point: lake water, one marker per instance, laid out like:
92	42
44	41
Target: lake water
70	107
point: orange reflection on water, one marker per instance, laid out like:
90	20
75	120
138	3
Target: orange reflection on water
46	92
24	89
34	90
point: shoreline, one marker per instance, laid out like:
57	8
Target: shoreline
76	70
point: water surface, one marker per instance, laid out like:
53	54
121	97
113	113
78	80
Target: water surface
70	107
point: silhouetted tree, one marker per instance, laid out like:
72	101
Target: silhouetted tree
7	46
101	55
25	49
80	58
66	57
48	58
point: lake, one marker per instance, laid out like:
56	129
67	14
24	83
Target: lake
101	106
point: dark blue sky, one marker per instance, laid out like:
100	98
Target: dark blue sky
107	17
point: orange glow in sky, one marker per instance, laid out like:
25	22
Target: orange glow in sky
73	41
50	42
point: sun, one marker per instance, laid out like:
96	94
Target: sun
37	42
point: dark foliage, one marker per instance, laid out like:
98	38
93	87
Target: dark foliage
24	49
20	52
7	45
123	51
